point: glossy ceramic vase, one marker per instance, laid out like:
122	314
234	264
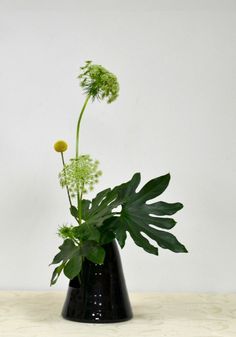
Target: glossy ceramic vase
101	295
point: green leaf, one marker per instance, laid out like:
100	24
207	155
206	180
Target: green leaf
56	273
102	205
87	231
57	259
163	208
99	197
120	231
139	239
93	252
73	266
107	231
152	189
67	250
85	204
71	260
137	217
74	212
107	237
168	241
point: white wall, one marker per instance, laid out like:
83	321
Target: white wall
175	61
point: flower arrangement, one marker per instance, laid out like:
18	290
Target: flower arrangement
97	221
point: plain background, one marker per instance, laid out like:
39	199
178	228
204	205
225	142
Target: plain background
175	61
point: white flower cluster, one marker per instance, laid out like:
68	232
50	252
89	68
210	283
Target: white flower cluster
80	175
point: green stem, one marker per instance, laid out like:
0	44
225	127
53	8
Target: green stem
77	152
78	126
80	206
67	189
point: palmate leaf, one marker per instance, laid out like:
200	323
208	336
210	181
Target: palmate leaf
137	217
56	273
93	252
73	266
71	257
87	232
71	261
67	250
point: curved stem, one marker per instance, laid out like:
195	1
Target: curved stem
77	153
78	126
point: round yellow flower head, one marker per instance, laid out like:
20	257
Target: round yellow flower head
60	146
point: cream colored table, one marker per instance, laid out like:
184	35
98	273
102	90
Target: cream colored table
37	314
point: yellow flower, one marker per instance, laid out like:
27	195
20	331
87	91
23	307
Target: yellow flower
60	146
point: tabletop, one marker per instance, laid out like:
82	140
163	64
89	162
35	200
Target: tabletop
37	314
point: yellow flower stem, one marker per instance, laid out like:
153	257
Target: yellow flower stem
67	189
79	198
68	193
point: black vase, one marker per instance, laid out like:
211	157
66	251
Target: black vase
101	295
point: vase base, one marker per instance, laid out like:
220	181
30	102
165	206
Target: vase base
97	321
94	308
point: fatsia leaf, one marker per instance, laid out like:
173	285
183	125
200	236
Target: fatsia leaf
67	250
152	189
120	231
56	273
163	208
93	252
99	197
87	231
107	231
100	209
85	207
136	217
107	236
71	260
73	266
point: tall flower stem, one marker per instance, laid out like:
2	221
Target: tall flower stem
78	126
79	196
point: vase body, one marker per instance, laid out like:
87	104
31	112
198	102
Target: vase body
101	295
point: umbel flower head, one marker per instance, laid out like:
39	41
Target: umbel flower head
80	175
98	82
